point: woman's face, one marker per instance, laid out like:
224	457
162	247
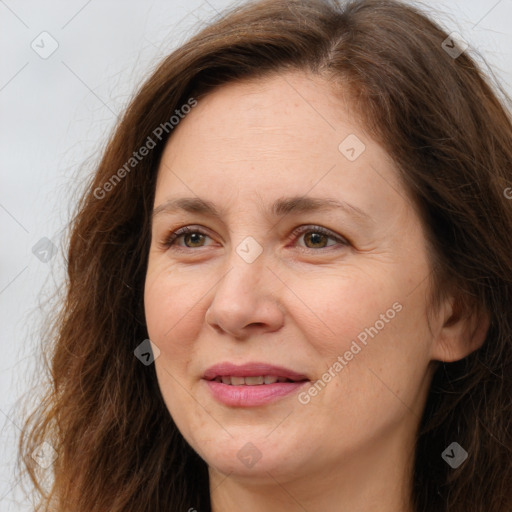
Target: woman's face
305	261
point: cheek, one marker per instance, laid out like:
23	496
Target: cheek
174	310
334	310
173	322
377	327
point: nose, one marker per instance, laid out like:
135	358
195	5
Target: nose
246	301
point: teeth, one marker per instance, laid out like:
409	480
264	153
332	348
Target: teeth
250	381
254	381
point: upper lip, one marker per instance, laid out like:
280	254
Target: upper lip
252	369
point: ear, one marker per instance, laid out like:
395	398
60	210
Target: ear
462	329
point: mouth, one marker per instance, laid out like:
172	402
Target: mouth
251	384
259	380
251	374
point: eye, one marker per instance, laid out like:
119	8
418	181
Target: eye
317	237
191	236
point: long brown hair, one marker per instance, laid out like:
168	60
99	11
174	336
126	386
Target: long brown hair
450	136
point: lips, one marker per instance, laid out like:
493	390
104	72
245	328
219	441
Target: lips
250	381
252	384
251	374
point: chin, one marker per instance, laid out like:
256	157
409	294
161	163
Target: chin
240	456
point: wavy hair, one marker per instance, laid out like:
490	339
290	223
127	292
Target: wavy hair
447	127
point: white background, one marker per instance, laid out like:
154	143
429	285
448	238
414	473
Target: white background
54	116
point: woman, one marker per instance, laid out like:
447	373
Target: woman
304	209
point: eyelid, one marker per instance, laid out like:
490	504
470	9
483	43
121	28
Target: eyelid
319	229
171	237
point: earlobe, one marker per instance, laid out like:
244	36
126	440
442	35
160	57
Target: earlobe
461	332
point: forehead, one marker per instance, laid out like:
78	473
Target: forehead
272	105
285	133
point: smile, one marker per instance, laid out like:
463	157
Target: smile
251	384
251	381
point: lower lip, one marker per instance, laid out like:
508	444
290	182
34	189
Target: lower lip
252	396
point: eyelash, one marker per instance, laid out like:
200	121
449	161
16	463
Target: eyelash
172	237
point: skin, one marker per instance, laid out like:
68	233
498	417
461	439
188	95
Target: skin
300	304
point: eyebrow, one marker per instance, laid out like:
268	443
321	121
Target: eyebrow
280	208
